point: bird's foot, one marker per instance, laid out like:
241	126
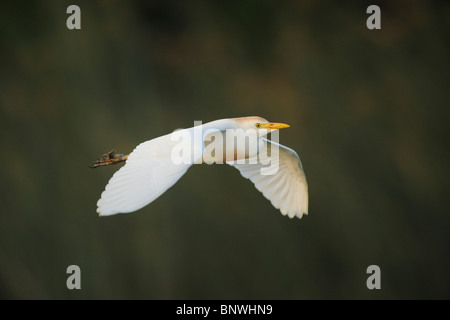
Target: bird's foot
109	158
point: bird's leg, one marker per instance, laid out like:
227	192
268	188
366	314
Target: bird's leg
109	158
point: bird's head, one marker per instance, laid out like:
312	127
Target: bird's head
260	124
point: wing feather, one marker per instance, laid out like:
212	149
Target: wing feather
148	172
287	189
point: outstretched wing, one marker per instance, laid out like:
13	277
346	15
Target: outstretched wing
286	188
148	172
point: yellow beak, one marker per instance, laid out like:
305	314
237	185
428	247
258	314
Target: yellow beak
274	125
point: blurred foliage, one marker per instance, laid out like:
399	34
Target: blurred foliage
369	117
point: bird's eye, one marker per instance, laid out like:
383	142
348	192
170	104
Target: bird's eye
258	125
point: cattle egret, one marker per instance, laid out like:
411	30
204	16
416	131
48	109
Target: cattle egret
156	165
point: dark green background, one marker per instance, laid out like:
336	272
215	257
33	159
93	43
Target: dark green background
368	111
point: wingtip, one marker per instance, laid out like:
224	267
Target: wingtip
100	214
300	215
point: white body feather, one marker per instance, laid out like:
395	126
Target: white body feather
150	170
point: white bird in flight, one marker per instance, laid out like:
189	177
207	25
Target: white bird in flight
150	169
